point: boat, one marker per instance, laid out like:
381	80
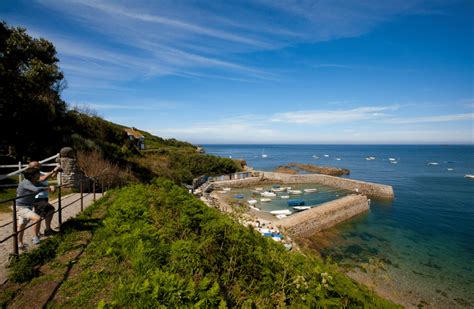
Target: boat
392	159
239	196
295	202
326	156
338	159
433	163
285	196
252	202
295	192
310	190
281	212
394	162
264	155
226	189
301	208
265	200
278	189
450	169
315	156
469	176
370	158
268	194
259	189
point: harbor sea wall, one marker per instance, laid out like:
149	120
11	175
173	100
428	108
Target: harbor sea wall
372	190
325	215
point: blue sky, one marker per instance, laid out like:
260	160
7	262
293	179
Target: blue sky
265	71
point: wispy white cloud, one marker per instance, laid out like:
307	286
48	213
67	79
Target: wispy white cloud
324	117
433	119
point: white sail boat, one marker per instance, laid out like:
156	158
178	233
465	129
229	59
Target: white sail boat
264	155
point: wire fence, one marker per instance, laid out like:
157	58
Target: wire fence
14	222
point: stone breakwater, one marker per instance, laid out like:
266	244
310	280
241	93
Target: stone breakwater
325	215
372	190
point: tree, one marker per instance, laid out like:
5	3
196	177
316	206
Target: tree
31	109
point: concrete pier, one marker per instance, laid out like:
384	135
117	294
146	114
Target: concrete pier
325	215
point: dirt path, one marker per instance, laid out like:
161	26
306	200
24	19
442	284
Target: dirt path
6	248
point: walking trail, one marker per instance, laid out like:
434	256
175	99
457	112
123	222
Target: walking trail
6	248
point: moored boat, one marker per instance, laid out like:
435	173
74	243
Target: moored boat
281	212
265	200
310	190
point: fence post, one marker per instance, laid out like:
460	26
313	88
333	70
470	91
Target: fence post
60	210
15	230
93	188
102	188
82	196
19	174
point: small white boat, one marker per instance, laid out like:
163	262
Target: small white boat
278	189
222	192
338	159
254	208
310	190
281	212
294	192
259	189
226	189
264	155
394	162
392	159
285	196
315	156
370	158
300	208
450	169
252	202
268	194
265	200
469	176
433	163
326	156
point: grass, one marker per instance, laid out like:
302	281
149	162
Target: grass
157	246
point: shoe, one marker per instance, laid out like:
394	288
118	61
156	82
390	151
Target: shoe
50	232
23	246
35	240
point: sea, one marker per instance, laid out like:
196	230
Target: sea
420	246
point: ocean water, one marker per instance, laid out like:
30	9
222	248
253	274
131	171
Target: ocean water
421	244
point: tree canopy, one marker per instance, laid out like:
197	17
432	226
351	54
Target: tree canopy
31	109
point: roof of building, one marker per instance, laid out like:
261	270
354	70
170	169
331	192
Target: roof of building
133	132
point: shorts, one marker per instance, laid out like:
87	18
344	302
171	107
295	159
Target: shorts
43	208
25	214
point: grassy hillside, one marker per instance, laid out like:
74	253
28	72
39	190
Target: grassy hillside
155	245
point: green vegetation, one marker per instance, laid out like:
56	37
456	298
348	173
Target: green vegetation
145	245
157	246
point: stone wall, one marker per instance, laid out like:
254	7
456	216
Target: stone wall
325	215
71	175
367	188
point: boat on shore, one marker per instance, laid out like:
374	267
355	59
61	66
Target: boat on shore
301	208
252	202
281	212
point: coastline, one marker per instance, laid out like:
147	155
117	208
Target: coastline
378	283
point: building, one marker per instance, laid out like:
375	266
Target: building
135	136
